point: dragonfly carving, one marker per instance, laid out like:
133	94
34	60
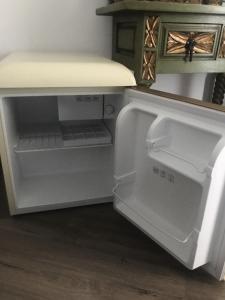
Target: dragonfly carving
177	41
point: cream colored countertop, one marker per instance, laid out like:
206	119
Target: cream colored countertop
62	70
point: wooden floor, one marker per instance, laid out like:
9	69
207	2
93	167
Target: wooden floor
90	253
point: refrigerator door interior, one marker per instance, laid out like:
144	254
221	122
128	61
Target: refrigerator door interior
168	158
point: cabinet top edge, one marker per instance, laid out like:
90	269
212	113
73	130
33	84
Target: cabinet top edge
161	7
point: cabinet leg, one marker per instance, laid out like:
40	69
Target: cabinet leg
219	89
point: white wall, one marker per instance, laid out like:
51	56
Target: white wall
54	25
199	86
71	25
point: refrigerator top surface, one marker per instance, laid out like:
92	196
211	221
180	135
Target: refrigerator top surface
62	70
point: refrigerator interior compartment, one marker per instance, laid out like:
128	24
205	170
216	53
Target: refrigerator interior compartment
73	160
36	137
183	147
61	177
53	191
46	173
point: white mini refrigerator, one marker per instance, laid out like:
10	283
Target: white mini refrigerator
72	134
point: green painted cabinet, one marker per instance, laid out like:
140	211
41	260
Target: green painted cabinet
155	37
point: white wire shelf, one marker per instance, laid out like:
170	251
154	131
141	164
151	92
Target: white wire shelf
84	135
63	135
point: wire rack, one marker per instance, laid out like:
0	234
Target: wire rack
66	134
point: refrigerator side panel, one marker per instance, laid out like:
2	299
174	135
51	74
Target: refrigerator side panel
6	161
216	266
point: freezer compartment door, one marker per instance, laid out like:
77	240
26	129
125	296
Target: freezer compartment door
166	164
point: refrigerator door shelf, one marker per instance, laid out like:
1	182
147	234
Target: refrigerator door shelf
167	224
183	145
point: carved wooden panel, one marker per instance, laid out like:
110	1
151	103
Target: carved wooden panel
222	46
177	40
151	32
149	63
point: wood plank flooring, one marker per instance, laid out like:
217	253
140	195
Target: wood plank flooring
90	253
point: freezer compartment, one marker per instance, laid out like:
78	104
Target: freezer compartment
40	126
